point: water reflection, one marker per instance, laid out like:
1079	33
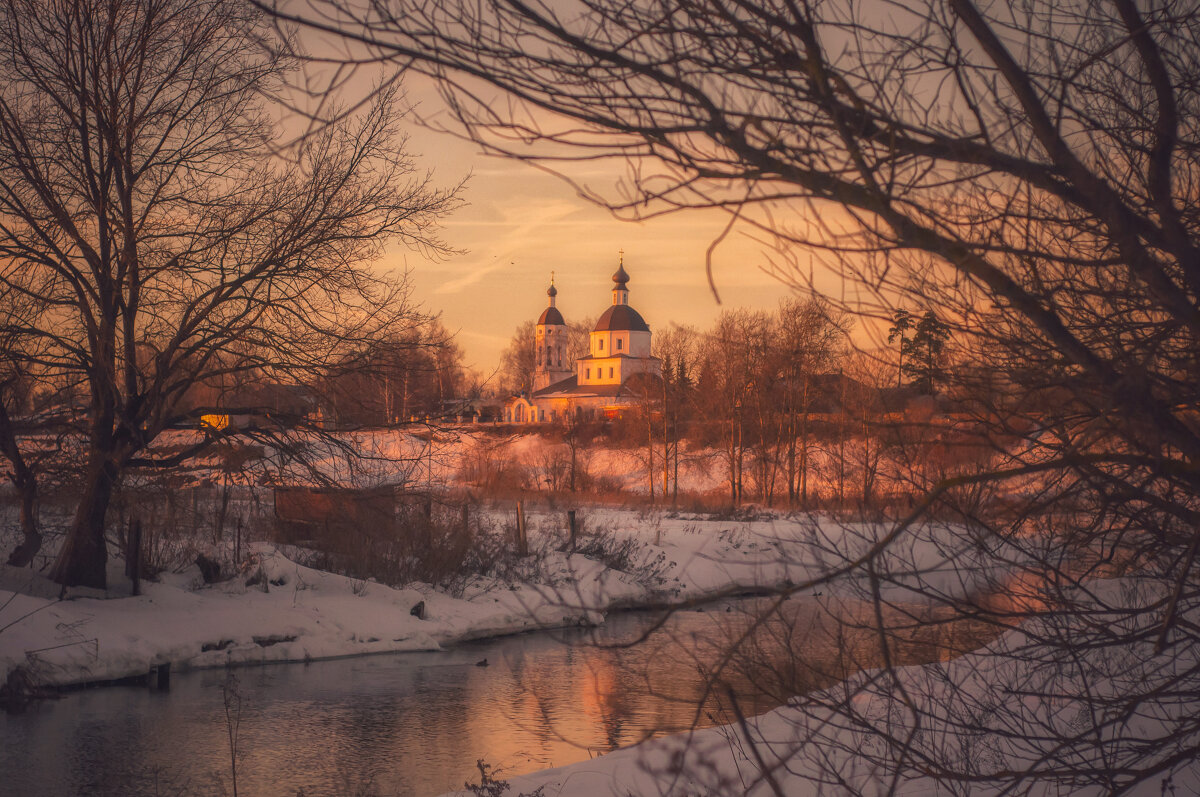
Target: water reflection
415	724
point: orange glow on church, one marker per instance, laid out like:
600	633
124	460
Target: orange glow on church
611	377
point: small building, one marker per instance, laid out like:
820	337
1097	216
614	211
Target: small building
614	375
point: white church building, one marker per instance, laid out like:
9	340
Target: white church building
617	370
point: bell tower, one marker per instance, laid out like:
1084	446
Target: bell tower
550	345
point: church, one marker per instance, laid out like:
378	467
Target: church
612	377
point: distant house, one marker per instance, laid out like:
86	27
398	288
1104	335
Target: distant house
472	410
615	373
265	404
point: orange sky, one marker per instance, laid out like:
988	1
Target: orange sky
519	224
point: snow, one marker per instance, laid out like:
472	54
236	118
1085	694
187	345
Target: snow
304	614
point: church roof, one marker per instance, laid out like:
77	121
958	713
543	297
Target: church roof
621	317
551	316
615	356
636	385
561	386
621	278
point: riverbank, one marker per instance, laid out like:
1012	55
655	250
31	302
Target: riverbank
277	610
1003	719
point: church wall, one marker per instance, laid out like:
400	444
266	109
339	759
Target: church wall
638	344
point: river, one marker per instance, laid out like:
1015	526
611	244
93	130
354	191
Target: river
417	723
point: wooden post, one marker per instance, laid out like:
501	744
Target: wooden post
133	555
129	547
571	526
163	680
522	540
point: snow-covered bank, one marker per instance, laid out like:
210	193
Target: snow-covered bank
1025	714
296	613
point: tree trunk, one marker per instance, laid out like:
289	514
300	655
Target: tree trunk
675	475
25	482
791	456
666	449
573	445
667	410
83	557
803	472
650	451
738	461
31	541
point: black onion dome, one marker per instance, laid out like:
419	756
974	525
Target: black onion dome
621	278
552	291
551	316
619	318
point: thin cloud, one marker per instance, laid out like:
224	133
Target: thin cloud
534	217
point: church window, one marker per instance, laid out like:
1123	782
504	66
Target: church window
610	373
587	373
601	344
619	344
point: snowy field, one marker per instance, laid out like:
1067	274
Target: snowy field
491	457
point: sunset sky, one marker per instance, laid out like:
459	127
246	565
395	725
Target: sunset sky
519	224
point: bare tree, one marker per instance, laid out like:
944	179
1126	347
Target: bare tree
17	314
1029	172
808	339
142	199
730	381
517	362
677	348
519	358
415	371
